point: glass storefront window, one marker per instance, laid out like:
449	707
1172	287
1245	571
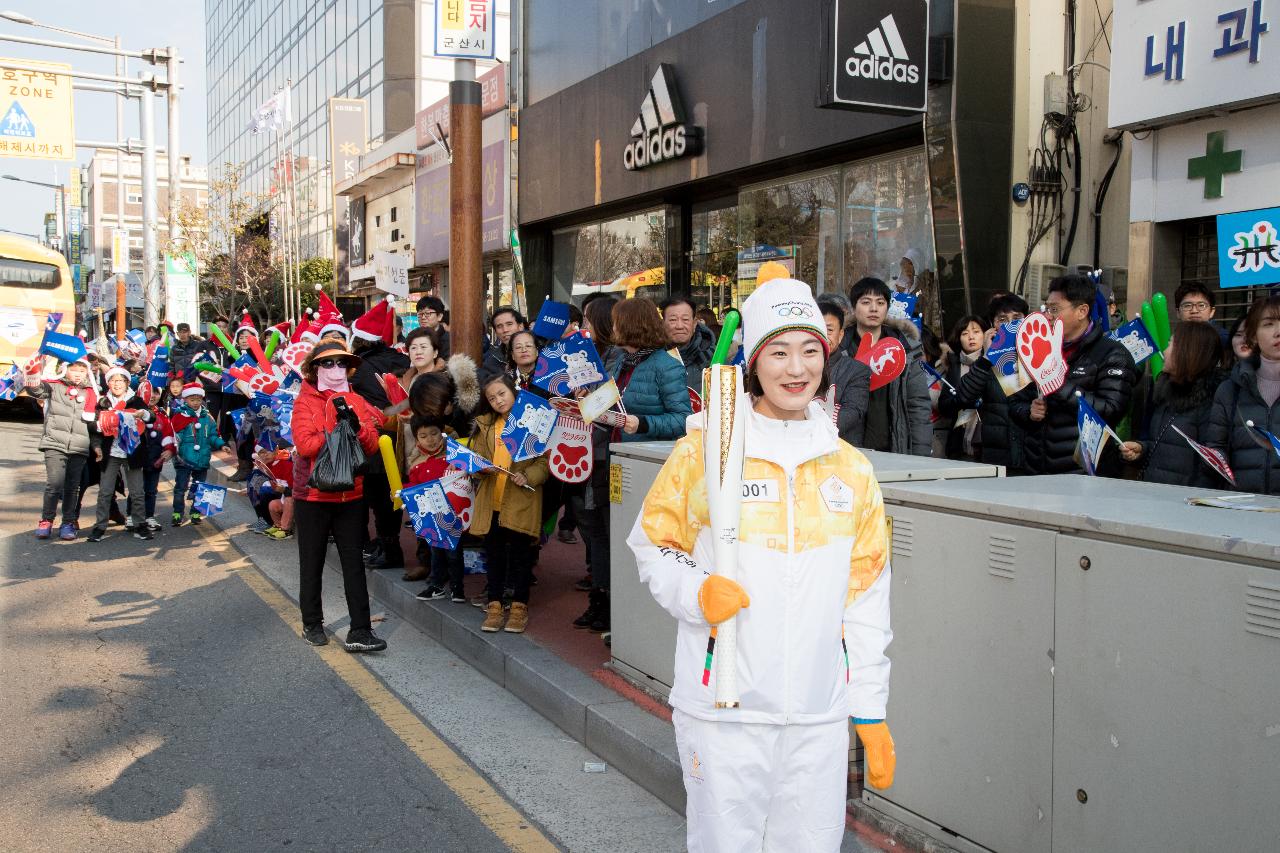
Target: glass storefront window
714	256
794	222
624	256
886	216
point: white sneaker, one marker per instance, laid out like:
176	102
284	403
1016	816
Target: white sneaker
152	524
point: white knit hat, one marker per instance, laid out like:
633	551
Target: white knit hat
116	371
776	307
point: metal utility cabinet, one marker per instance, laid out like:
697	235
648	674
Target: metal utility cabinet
1083	665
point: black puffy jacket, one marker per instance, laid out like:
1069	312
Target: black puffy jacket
1257	468
852	381
1104	372
377	358
1166	456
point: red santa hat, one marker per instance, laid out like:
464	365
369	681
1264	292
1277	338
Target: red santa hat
378	323
303	324
192	389
246	325
328	317
282	329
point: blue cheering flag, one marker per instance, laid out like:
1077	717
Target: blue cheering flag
158	372
1094	433
128	433
463	459
1136	338
1264	439
209	498
52	320
937	377
433	517
529	426
552	320
282	409
237	419
229	381
902	306
11	382
567	364
63	347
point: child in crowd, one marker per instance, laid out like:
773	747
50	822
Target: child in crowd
508	509
158	446
69	405
445	563
196	442
109	449
281	507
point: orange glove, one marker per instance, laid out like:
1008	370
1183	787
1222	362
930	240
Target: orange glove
881	759
721	599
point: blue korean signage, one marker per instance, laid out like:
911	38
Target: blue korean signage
1248	248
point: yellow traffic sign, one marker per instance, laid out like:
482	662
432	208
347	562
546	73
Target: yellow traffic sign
37	116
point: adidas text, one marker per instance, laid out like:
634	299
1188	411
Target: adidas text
872	68
668	144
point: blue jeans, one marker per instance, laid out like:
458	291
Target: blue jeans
446	568
184	485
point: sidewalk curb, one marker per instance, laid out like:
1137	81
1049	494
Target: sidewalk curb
631	740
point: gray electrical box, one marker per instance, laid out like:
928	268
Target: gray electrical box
1083	664
1055	95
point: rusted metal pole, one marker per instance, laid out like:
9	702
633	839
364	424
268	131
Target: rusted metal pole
466	275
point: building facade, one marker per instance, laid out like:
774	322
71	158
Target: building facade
1196	84
836	146
103	214
374	51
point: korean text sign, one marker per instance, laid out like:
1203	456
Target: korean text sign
465	28
38	119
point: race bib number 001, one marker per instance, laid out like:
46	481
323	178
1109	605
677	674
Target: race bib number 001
760	491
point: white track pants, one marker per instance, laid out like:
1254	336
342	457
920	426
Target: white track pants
759	788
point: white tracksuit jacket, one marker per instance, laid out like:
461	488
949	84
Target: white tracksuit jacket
813	557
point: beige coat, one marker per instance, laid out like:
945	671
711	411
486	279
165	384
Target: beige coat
521	508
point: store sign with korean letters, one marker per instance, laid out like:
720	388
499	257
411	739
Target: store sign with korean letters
465	29
1174	59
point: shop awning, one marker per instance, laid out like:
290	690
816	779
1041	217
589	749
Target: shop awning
378	179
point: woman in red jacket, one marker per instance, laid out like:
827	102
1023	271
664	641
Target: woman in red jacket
325	399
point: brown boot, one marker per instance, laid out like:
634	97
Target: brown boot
519	618
421	573
492	618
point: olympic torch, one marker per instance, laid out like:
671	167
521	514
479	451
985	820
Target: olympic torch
724	436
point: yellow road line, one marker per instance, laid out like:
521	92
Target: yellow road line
478	795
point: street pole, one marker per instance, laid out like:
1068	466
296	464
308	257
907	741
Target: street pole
174	156
152	295
116	264
465	274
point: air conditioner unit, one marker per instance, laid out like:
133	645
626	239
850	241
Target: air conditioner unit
1037	285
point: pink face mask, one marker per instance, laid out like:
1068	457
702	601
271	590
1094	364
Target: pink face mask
332	378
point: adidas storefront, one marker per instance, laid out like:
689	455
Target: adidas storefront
690	147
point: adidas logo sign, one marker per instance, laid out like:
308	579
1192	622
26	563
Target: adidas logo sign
659	132
883	56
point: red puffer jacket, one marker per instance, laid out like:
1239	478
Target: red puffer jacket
314	417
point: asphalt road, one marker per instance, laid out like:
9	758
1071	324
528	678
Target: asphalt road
153	700
157	696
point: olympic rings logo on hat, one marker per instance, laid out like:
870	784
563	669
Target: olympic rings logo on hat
795	309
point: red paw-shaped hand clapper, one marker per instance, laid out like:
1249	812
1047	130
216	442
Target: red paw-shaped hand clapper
1040	352
569	453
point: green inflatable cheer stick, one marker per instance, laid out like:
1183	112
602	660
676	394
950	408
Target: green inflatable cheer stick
272	343
1149	320
205	366
222	339
731	320
1161	332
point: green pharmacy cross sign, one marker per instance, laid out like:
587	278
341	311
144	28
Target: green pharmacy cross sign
1216	162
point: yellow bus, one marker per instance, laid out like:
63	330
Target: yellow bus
34	282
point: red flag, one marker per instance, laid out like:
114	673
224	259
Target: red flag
1216	460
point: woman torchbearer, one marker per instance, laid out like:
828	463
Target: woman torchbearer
809	606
